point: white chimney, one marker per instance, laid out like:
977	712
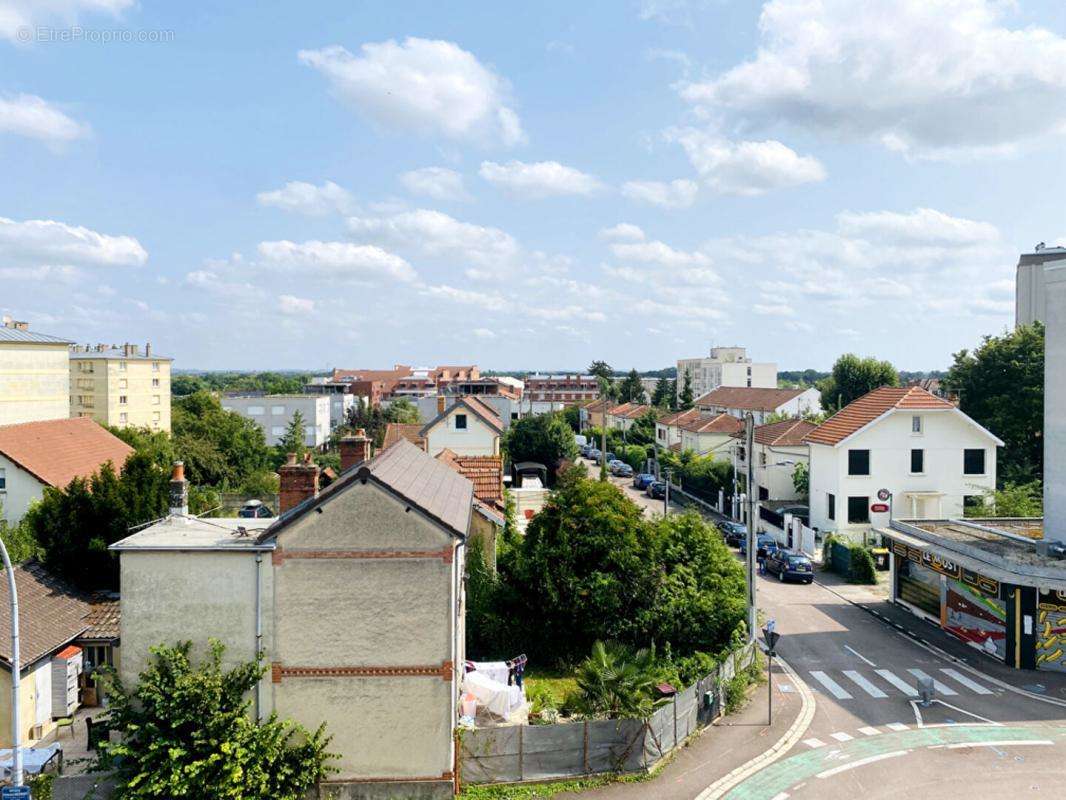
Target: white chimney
1055	405
179	491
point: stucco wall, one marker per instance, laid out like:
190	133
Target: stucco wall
34	382
22	489
778	479
477	439
28	704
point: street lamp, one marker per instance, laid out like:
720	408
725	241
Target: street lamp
16	751
749	441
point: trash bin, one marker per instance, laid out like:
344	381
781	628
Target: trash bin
469	705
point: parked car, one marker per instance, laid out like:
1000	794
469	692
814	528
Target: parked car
801	511
585	449
255	509
594	454
622	470
656	490
611	457
734	533
787	565
766	544
642	479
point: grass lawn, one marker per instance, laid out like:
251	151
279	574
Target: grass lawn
559	682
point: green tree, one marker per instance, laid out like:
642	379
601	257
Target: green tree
294	439
1001	386
852	377
630	389
663	396
801	479
19	540
616	683
1013	500
685	400
404	411
543	438
601	369
642	431
572	415
185	731
219	448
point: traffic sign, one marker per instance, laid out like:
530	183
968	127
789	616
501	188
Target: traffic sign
879	508
771	638
15	793
883	494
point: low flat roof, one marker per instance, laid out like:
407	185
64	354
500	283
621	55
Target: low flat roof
198	533
1003	549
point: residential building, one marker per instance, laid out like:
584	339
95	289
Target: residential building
354	595
710	434
55	622
668	428
922	449
341	399
593	413
275	412
34	374
120	385
412	432
545	393
36	455
502	395
726	366
485	473
778	448
466	426
384	385
1030	290
623	416
760	402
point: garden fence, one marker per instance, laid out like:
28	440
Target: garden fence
575	749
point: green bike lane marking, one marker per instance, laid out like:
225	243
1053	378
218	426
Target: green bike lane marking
779	777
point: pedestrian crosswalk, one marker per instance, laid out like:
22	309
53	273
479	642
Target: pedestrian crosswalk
881	684
842	736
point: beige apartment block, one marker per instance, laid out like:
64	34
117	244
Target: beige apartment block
120	385
34	375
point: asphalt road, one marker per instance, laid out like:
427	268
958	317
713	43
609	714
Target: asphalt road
868	737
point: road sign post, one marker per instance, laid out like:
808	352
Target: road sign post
15	793
770	636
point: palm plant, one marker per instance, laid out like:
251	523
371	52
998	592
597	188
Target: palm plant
615	683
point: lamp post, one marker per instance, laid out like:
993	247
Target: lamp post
16	751
666	493
749	440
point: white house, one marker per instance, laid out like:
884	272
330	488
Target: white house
668	428
919	447
467	427
710	434
622	417
761	402
778	448
35	455
275	412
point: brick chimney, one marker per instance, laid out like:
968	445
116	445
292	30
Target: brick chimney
179	491
441	400
355	449
299	482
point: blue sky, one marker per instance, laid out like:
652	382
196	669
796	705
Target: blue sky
527	185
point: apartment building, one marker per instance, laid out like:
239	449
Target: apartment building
274	413
120	385
1030	295
543	393
726	366
34	375
403	381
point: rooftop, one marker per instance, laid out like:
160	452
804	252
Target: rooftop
56	451
197	533
394	431
786	433
748	398
860	413
114	352
485	472
23	336
714	423
50	613
680	417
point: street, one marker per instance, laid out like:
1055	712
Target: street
849	694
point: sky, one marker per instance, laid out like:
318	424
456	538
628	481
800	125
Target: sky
527	186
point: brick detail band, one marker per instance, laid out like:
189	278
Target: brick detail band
444	776
444	672
279	556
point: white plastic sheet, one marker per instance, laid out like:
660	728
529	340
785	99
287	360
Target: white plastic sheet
497	670
499	698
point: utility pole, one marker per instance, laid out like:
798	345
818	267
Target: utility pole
16	771
749	442
666	494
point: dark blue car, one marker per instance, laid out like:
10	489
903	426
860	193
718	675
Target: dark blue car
789	566
642	479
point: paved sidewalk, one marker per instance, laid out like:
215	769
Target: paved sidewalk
875	599
721	748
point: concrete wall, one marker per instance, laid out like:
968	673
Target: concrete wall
273	413
1055	406
97	386
32	707
34	382
778	479
477	439
21	490
945	434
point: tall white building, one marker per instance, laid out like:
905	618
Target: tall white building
1030	298
274	412
726	366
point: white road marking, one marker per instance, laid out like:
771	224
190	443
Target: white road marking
831	685
863	684
940	687
897	681
955	675
1003	743
860	655
840	736
897	726
862	762
813	742
780	796
868	731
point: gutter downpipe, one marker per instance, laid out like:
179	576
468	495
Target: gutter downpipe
16	771
258	629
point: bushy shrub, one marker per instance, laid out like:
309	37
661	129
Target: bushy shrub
862	568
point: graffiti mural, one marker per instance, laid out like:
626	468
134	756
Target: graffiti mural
976	618
1051	637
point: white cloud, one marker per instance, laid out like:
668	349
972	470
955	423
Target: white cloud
336	259
668	12
488	300
680	193
659	253
483	333
288	304
540	179
306	198
745	168
773	310
16	14
439	183
422	85
30	116
928	78
437	234
921	226
211	282
575	312
623	231
39	242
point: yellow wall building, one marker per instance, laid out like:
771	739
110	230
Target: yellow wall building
34	375
120	385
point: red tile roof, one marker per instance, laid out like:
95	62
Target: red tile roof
491	415
485	472
680	417
58	450
786	433
714	423
395	431
51	613
630	410
869	407
482	411
749	399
